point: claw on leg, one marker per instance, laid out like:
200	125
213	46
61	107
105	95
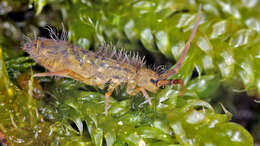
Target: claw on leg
109	92
107	101
147	97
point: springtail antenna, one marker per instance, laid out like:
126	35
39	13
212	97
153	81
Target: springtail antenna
187	46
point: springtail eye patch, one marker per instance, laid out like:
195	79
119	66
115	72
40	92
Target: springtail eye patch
152	81
155	82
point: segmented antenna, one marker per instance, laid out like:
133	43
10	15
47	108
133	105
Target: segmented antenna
187	46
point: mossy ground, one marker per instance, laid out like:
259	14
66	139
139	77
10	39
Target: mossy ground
221	66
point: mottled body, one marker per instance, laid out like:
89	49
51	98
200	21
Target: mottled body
100	70
87	66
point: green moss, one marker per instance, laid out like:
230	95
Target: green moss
225	50
164	26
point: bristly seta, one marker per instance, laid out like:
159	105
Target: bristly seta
100	69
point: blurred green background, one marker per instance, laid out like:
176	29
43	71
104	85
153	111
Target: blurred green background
220	71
